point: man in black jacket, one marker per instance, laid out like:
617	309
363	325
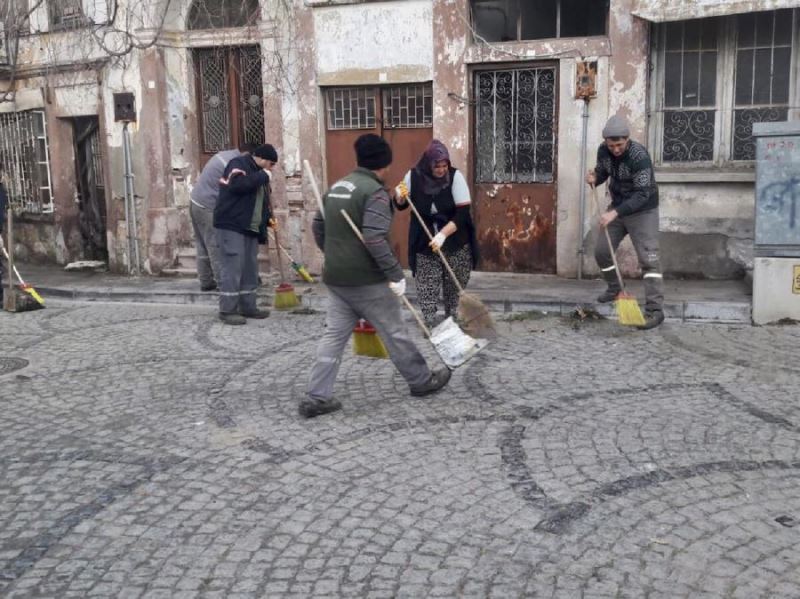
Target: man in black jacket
633	211
241	217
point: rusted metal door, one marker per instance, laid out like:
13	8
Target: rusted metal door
515	169
401	114
229	98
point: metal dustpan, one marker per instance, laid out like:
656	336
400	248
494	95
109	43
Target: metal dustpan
453	345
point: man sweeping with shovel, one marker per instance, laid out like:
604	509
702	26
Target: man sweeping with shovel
364	280
633	211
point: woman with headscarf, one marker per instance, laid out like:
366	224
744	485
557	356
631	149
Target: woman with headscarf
441	196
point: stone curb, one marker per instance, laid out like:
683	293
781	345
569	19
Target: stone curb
690	311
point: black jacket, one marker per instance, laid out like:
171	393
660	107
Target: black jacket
238	189
633	182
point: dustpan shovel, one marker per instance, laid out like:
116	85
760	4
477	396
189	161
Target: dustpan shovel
451	343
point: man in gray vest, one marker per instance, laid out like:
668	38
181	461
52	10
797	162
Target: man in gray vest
364	280
201	210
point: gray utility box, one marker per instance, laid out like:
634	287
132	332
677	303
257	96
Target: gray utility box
776	256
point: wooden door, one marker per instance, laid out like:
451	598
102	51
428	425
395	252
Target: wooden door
230	98
515	169
401	114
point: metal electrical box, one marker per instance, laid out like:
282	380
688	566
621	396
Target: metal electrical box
124	107
776	256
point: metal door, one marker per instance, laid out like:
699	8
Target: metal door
515	169
230	98
401	114
90	187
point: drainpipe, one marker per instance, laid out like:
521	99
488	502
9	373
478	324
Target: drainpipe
130	205
582	204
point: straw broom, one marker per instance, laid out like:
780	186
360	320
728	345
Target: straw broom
626	305
296	266
473	314
285	297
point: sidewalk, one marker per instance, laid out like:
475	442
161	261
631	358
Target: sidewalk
687	301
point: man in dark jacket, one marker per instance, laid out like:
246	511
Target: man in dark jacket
241	218
364	280
203	201
633	211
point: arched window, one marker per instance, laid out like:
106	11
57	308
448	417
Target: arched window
217	14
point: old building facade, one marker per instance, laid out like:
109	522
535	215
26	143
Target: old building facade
496	80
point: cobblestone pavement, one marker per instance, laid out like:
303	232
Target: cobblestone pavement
149	451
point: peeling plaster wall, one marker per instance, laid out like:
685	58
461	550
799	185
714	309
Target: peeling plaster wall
384	42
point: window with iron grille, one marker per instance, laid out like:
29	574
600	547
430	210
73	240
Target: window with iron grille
513	20
217	14
66	14
716	77
25	159
231	97
351	107
514	125
408	106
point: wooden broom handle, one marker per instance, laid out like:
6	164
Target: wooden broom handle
411	309
608	239
314	187
430	237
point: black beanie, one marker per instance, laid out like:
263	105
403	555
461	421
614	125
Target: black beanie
266	152
372	152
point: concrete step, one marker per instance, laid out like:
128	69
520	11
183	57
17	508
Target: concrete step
187	259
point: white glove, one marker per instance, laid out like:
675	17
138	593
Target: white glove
438	241
398	287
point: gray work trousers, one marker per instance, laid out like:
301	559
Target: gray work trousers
643	229
377	304
205	243
239	272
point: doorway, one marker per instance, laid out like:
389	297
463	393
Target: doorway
90	187
515	168
230	98
401	114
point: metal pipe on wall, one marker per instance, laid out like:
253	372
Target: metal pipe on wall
582	204
130	205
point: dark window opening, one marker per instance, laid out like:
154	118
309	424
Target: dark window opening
220	14
514	20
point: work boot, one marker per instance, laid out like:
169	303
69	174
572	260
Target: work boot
212	286
258	314
609	295
311	407
233	319
439	378
652	318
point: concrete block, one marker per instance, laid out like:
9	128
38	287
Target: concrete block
776	289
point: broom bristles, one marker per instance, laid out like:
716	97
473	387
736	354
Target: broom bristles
366	341
304	274
474	317
285	297
628	310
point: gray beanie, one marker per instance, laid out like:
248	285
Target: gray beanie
616	126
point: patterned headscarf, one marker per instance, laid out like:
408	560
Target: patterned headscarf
435	152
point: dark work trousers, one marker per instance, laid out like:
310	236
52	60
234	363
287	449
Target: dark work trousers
377	304
205	243
643	229
239	270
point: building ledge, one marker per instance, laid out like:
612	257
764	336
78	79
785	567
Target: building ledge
705	176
